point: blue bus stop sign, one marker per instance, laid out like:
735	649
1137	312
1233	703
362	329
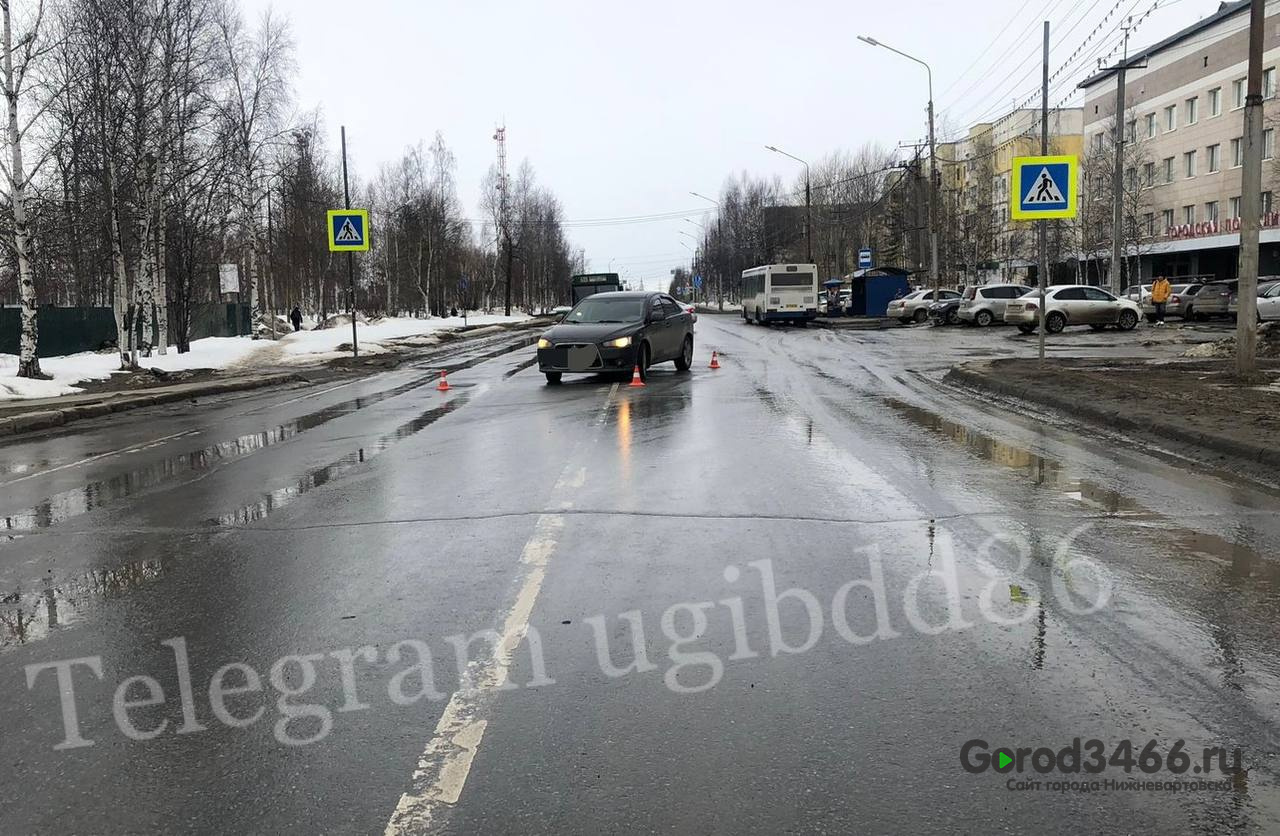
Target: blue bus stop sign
864	258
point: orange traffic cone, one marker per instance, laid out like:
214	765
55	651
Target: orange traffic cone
715	360
444	382
636	380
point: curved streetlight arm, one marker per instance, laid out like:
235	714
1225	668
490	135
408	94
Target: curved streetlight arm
792	156
704	197
927	68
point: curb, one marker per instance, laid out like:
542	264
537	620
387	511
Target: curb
51	418
968	377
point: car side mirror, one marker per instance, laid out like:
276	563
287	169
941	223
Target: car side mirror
656	316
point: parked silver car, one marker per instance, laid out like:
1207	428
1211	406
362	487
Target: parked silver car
985	305
1215	298
914	307
1268	305
1182	302
1072	304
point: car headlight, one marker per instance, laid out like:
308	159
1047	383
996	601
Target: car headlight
621	342
543	342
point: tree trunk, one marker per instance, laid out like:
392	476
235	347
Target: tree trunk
28	356
121	290
162	288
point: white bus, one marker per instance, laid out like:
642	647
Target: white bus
780	293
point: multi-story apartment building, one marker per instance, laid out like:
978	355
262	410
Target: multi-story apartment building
1184	121
976	174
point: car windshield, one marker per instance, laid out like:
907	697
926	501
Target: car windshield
597	309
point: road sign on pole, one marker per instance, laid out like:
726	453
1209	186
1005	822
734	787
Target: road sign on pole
864	258
1044	188
349	230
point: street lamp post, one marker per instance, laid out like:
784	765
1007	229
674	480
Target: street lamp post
808	215
720	236
933	166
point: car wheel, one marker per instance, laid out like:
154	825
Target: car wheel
953	317
1128	320
1055	322
984	318
920	316
1027	329
643	361
553	378
685	361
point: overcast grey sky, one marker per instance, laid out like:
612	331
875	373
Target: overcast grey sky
623	109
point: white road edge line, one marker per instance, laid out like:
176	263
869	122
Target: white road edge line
446	762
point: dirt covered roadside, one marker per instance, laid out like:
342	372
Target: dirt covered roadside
1193	407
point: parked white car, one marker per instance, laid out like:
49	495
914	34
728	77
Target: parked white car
1073	304
985	305
914	307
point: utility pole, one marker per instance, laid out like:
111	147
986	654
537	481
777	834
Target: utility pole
500	135
1044	151
1117	183
1251	203
933	199
351	258
808	217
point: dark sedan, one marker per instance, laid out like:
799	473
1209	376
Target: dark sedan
946	312
616	332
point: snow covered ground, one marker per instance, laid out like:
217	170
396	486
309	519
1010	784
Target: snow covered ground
232	353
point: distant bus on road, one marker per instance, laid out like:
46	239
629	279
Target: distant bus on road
589	284
780	293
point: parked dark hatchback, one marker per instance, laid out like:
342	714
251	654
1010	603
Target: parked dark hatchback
616	332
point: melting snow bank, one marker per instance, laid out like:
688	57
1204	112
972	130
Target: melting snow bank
241	353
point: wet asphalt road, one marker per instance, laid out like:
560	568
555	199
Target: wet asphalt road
336	546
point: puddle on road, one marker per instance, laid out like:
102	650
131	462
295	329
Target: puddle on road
77	501
32	616
320	476
1240	562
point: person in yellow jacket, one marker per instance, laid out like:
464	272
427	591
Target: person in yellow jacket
1161	290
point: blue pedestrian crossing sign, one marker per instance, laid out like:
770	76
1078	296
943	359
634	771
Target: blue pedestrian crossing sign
864	258
1044	187
349	230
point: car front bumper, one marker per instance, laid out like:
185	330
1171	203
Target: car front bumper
560	358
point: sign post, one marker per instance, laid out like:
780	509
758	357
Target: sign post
1044	188
349	233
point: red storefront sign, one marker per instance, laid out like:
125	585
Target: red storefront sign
1207	228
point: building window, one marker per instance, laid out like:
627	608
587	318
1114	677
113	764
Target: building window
1189	214
1149	173
1233	208
1098	139
1268	143
1171	118
1215	101
1268	82
1189	163
1214	153
1237	93
1151	126
1131	131
1211	212
1168	218
1193	110
1237	152
1168	169
1150	223
1266	203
